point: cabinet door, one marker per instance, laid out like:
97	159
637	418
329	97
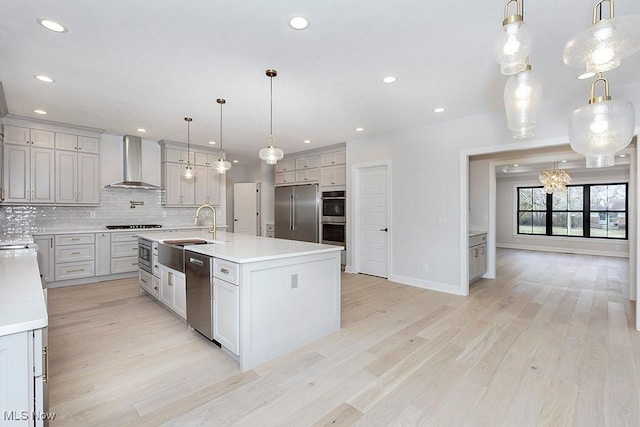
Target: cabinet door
45	256
286	165
180	295
202	185
17	377
65	141
166	286
188	191
307	162
213	181
340	175
16	174
42	138
172	185
66	177
16	135
103	254
88	178
285	177
226	314
87	144
332	159
42	175
145	280
307	175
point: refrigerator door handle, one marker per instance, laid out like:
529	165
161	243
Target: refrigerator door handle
293	208
291	212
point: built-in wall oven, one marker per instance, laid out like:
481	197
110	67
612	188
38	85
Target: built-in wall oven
145	255
333	217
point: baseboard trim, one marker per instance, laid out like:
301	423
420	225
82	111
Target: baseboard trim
564	250
92	279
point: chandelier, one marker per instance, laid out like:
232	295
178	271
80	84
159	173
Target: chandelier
555	180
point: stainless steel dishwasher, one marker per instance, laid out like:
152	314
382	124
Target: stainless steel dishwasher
199	293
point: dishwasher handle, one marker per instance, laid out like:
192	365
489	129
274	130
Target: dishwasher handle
196	261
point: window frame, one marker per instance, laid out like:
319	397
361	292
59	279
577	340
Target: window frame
586	212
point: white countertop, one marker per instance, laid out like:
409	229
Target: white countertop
243	248
99	229
22	306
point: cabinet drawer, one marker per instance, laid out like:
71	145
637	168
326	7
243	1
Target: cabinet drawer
128	236
74	270
74	239
477	240
73	253
124	265
124	249
225	270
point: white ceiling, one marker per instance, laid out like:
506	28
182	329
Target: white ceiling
127	64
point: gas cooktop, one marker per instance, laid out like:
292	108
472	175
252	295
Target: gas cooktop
132	226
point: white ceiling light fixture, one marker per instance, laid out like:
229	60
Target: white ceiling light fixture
221	164
307	141
52	25
38	111
141	130
270	153
438	110
602	46
299	23
188	172
555	180
235	161
359	129
513	44
601	128
389	79
212	142
43	78
522	95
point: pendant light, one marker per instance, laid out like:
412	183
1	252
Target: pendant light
555	180
522	95
188	172
271	154
601	128
221	164
602	46
513	44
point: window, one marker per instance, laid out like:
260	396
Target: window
591	210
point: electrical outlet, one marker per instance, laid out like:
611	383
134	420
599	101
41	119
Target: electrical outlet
294	281
92	214
164	214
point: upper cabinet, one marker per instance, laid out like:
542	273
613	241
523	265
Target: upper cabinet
332	159
286	165
50	166
326	167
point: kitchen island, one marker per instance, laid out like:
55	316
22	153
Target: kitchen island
271	296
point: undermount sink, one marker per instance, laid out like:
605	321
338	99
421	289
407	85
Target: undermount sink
186	242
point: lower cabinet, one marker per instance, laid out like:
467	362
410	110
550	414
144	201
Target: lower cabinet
173	292
74	255
477	256
45	257
226	314
124	252
103	254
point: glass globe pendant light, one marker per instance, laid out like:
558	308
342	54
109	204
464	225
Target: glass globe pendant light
602	46
188	172
221	164
513	44
601	128
271	154
522	95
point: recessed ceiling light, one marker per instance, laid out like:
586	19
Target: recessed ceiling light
438	110
44	78
39	111
307	141
52	25
623	155
141	130
235	161
586	76
389	79
299	23
516	165
564	161
359	129
212	142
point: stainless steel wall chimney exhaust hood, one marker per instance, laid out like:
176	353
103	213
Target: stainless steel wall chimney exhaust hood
132	165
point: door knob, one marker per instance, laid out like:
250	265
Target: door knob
384	229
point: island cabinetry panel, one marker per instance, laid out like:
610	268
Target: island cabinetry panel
477	256
103	254
173	291
225	270
226	314
124	252
28	174
145	279
45	257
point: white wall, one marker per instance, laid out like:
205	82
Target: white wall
426	211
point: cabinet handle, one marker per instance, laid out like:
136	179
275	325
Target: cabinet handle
482	253
143	281
45	359
75	253
224	270
155	288
475	253
78	270
135	263
75	238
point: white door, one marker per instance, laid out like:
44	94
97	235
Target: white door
246	208
372	207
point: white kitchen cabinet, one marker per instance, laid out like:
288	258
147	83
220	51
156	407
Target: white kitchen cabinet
286	165
103	254
207	186
286	177
178	191
173	292
45	256
308	162
145	280
178	156
26	136
28	174
77	178
477	256
205	159
74	256
332	159
226	315
307	175
333	175
79	143
124	252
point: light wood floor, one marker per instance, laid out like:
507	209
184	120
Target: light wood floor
551	342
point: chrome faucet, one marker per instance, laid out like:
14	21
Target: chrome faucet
213	217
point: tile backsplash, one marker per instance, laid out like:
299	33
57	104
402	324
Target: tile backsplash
115	208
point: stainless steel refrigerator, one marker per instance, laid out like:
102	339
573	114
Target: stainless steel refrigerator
297	212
